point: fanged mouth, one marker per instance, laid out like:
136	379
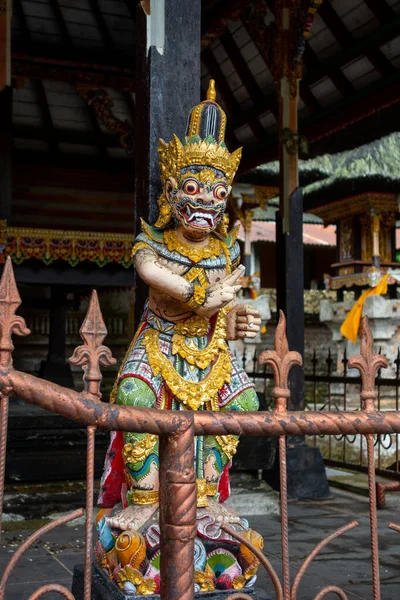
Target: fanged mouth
202	218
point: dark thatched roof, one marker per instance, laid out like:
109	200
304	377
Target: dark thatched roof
373	167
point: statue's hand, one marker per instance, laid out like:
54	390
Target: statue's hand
242	322
220	294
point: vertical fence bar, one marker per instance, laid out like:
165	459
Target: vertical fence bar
284	518
368	363
329	365
178	504
281	361
378	437
397	363
373	519
90	355
314	372
91	430
344	361
3	450
10	323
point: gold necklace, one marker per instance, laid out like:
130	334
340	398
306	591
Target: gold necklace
202	358
191	394
195	253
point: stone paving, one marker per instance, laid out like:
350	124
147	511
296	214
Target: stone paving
345	562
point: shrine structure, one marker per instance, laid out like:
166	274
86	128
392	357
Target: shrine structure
361	197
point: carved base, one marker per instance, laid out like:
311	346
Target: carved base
104	589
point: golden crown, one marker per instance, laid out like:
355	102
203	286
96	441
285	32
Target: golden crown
204	146
175	156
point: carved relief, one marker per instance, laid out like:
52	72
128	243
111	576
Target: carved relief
346	239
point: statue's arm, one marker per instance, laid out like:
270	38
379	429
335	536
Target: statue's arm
159	277
162	279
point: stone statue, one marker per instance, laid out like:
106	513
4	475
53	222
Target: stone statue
179	359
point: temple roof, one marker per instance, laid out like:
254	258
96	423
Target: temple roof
351	74
371	168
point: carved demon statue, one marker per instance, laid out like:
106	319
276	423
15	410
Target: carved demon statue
179	359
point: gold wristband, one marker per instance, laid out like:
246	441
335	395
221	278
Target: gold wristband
211	488
198	297
144	496
201	493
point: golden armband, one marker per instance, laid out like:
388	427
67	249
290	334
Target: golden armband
197	298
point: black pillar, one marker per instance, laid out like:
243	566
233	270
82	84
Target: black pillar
305	467
5	154
56	368
168	86
290	289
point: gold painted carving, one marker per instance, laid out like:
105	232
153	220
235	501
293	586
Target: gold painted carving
140	450
174	156
197	273
196	254
193	327
198	297
356	205
346	239
131	548
191	394
228	443
73	247
144	496
202	358
205	579
238	582
143	586
142	246
201	493
211	488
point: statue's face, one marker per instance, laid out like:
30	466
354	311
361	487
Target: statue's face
198	199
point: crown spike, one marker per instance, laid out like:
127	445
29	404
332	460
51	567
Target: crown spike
211	92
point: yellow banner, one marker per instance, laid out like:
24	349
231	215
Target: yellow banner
351	324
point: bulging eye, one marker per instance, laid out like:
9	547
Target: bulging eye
191	187
220	191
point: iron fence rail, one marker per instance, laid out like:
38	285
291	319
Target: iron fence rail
333	392
178	493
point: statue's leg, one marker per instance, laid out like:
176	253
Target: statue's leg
140	452
215	458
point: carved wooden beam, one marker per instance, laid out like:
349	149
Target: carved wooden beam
217	16
101	103
35	66
376	97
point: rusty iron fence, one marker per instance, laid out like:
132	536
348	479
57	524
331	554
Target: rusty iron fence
176	431
325	390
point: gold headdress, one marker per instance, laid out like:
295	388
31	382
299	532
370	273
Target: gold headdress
204	145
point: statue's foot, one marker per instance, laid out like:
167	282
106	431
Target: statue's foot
222	513
132	518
